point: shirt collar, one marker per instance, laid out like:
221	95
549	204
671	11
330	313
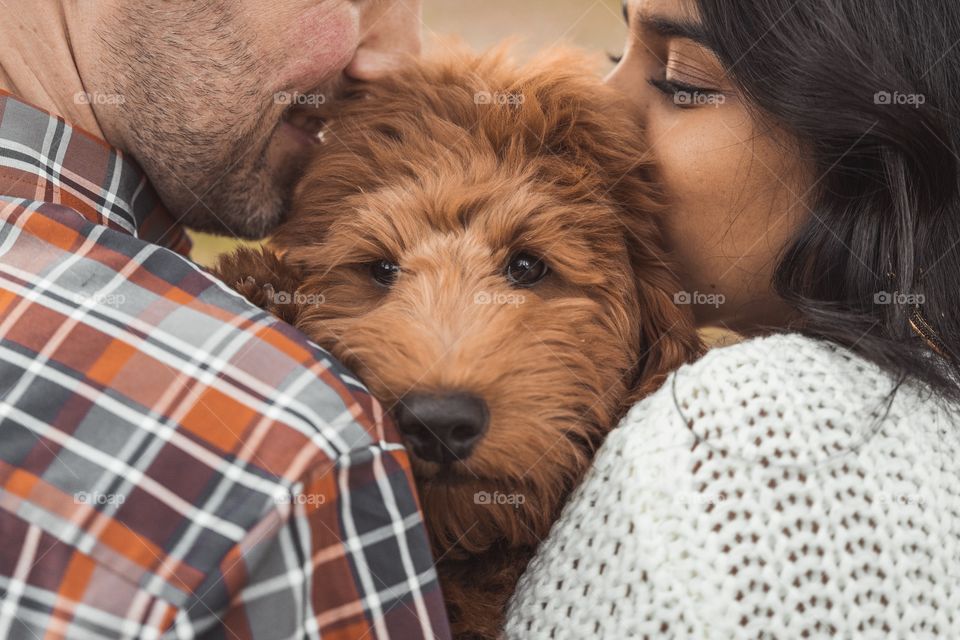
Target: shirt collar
43	158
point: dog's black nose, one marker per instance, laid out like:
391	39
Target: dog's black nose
442	427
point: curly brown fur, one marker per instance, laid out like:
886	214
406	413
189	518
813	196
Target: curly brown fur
414	170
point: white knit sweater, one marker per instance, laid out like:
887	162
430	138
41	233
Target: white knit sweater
764	491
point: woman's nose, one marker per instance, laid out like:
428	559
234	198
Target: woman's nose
389	35
625	79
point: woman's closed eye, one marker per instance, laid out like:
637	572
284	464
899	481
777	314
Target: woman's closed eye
691	78
687	96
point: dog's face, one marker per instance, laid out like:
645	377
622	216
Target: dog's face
491	272
499	322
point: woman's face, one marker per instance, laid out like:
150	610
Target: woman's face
737	186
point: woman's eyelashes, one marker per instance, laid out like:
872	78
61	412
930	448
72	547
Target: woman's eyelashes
687	96
683	94
673	87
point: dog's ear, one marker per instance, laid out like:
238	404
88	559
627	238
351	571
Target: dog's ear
668	340
265	278
667	331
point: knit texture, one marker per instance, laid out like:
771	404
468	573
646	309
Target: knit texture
769	490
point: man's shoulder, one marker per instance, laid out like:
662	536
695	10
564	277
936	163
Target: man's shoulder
145	399
124	296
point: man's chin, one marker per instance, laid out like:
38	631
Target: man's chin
250	202
254	196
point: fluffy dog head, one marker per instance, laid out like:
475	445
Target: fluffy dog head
487	236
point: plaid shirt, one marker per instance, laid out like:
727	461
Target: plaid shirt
175	463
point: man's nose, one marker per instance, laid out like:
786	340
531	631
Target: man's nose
389	36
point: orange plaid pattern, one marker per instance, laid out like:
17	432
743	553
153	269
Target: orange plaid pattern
174	462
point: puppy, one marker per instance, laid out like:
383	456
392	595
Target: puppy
479	243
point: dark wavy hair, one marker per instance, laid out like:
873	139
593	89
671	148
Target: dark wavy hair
873	90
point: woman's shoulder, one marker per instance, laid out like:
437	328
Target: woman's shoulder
787	366
788	399
771	485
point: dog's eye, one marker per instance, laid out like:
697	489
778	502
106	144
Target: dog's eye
526	270
385	272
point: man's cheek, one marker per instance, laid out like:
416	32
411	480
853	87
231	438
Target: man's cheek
319	45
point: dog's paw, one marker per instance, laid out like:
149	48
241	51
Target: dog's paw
264	278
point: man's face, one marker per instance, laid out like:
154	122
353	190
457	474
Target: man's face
217	93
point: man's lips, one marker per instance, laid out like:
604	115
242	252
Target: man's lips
305	124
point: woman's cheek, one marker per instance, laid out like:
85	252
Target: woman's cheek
737	198
705	165
695	167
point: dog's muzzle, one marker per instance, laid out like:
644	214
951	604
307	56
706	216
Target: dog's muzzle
443	427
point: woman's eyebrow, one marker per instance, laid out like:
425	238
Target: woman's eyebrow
668	27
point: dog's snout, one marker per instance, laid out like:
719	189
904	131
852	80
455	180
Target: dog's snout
442	427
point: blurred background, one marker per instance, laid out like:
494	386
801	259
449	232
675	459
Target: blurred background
592	24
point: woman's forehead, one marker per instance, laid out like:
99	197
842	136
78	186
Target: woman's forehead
673	9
